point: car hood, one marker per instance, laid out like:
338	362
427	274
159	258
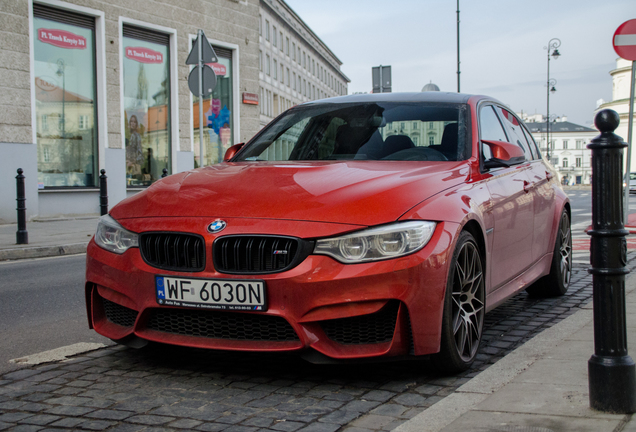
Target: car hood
352	192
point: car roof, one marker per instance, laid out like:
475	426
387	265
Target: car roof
435	97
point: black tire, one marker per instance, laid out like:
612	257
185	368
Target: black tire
557	282
464	308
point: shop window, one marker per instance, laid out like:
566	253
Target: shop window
65	91
146	71
218	112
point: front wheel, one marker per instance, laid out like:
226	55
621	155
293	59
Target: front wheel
464	308
556	283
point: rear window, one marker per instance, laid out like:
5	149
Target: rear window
370	131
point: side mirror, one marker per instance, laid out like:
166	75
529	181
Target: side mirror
504	154
229	154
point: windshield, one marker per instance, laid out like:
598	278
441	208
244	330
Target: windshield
364	131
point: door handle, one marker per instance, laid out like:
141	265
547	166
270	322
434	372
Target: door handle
527	186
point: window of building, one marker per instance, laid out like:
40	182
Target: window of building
260	25
65	89
281	40
294	51
282	73
260	61
274	36
275	70
287	77
267	64
299	54
266	30
83	122
565	144
415	125
578	162
402	125
218	112
294	81
579	144
304	60
287	46
431	140
146	70
415	140
565	162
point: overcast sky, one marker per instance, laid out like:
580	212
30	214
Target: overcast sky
501	47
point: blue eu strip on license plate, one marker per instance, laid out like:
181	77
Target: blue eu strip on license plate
228	294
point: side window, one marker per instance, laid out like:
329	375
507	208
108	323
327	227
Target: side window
490	129
532	143
514	129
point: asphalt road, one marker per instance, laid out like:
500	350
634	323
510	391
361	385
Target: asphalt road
42	307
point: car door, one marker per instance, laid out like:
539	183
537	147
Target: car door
543	195
511	206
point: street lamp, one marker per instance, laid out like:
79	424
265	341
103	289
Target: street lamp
61	66
554	52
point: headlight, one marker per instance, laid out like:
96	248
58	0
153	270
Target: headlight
380	243
113	237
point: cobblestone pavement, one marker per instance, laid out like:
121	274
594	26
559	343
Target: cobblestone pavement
172	389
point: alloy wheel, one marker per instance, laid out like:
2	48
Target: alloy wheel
565	249
468	301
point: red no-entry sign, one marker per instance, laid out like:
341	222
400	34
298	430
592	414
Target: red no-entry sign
625	40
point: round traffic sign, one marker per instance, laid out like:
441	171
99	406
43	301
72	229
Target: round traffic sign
209	81
625	40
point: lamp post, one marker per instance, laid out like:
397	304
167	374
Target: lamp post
61	66
554	52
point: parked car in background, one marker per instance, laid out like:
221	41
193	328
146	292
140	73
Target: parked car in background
632	182
363	226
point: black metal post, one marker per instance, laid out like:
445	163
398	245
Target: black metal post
103	193
165	173
611	371
21	235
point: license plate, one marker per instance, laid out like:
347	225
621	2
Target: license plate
228	294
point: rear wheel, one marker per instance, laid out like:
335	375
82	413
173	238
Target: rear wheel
464	310
556	283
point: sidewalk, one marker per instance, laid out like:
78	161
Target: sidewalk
542	386
47	238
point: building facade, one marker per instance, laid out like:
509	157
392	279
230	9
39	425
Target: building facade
621	81
89	85
295	66
568	147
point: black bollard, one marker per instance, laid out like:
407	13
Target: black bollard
103	193
611	371
21	235
165	173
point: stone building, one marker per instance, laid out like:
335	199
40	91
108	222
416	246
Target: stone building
88	85
621	81
295	66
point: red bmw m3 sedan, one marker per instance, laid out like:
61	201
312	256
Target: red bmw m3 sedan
363	226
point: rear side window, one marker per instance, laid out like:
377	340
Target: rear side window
532	143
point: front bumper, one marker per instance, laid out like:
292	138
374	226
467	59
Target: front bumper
384	308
